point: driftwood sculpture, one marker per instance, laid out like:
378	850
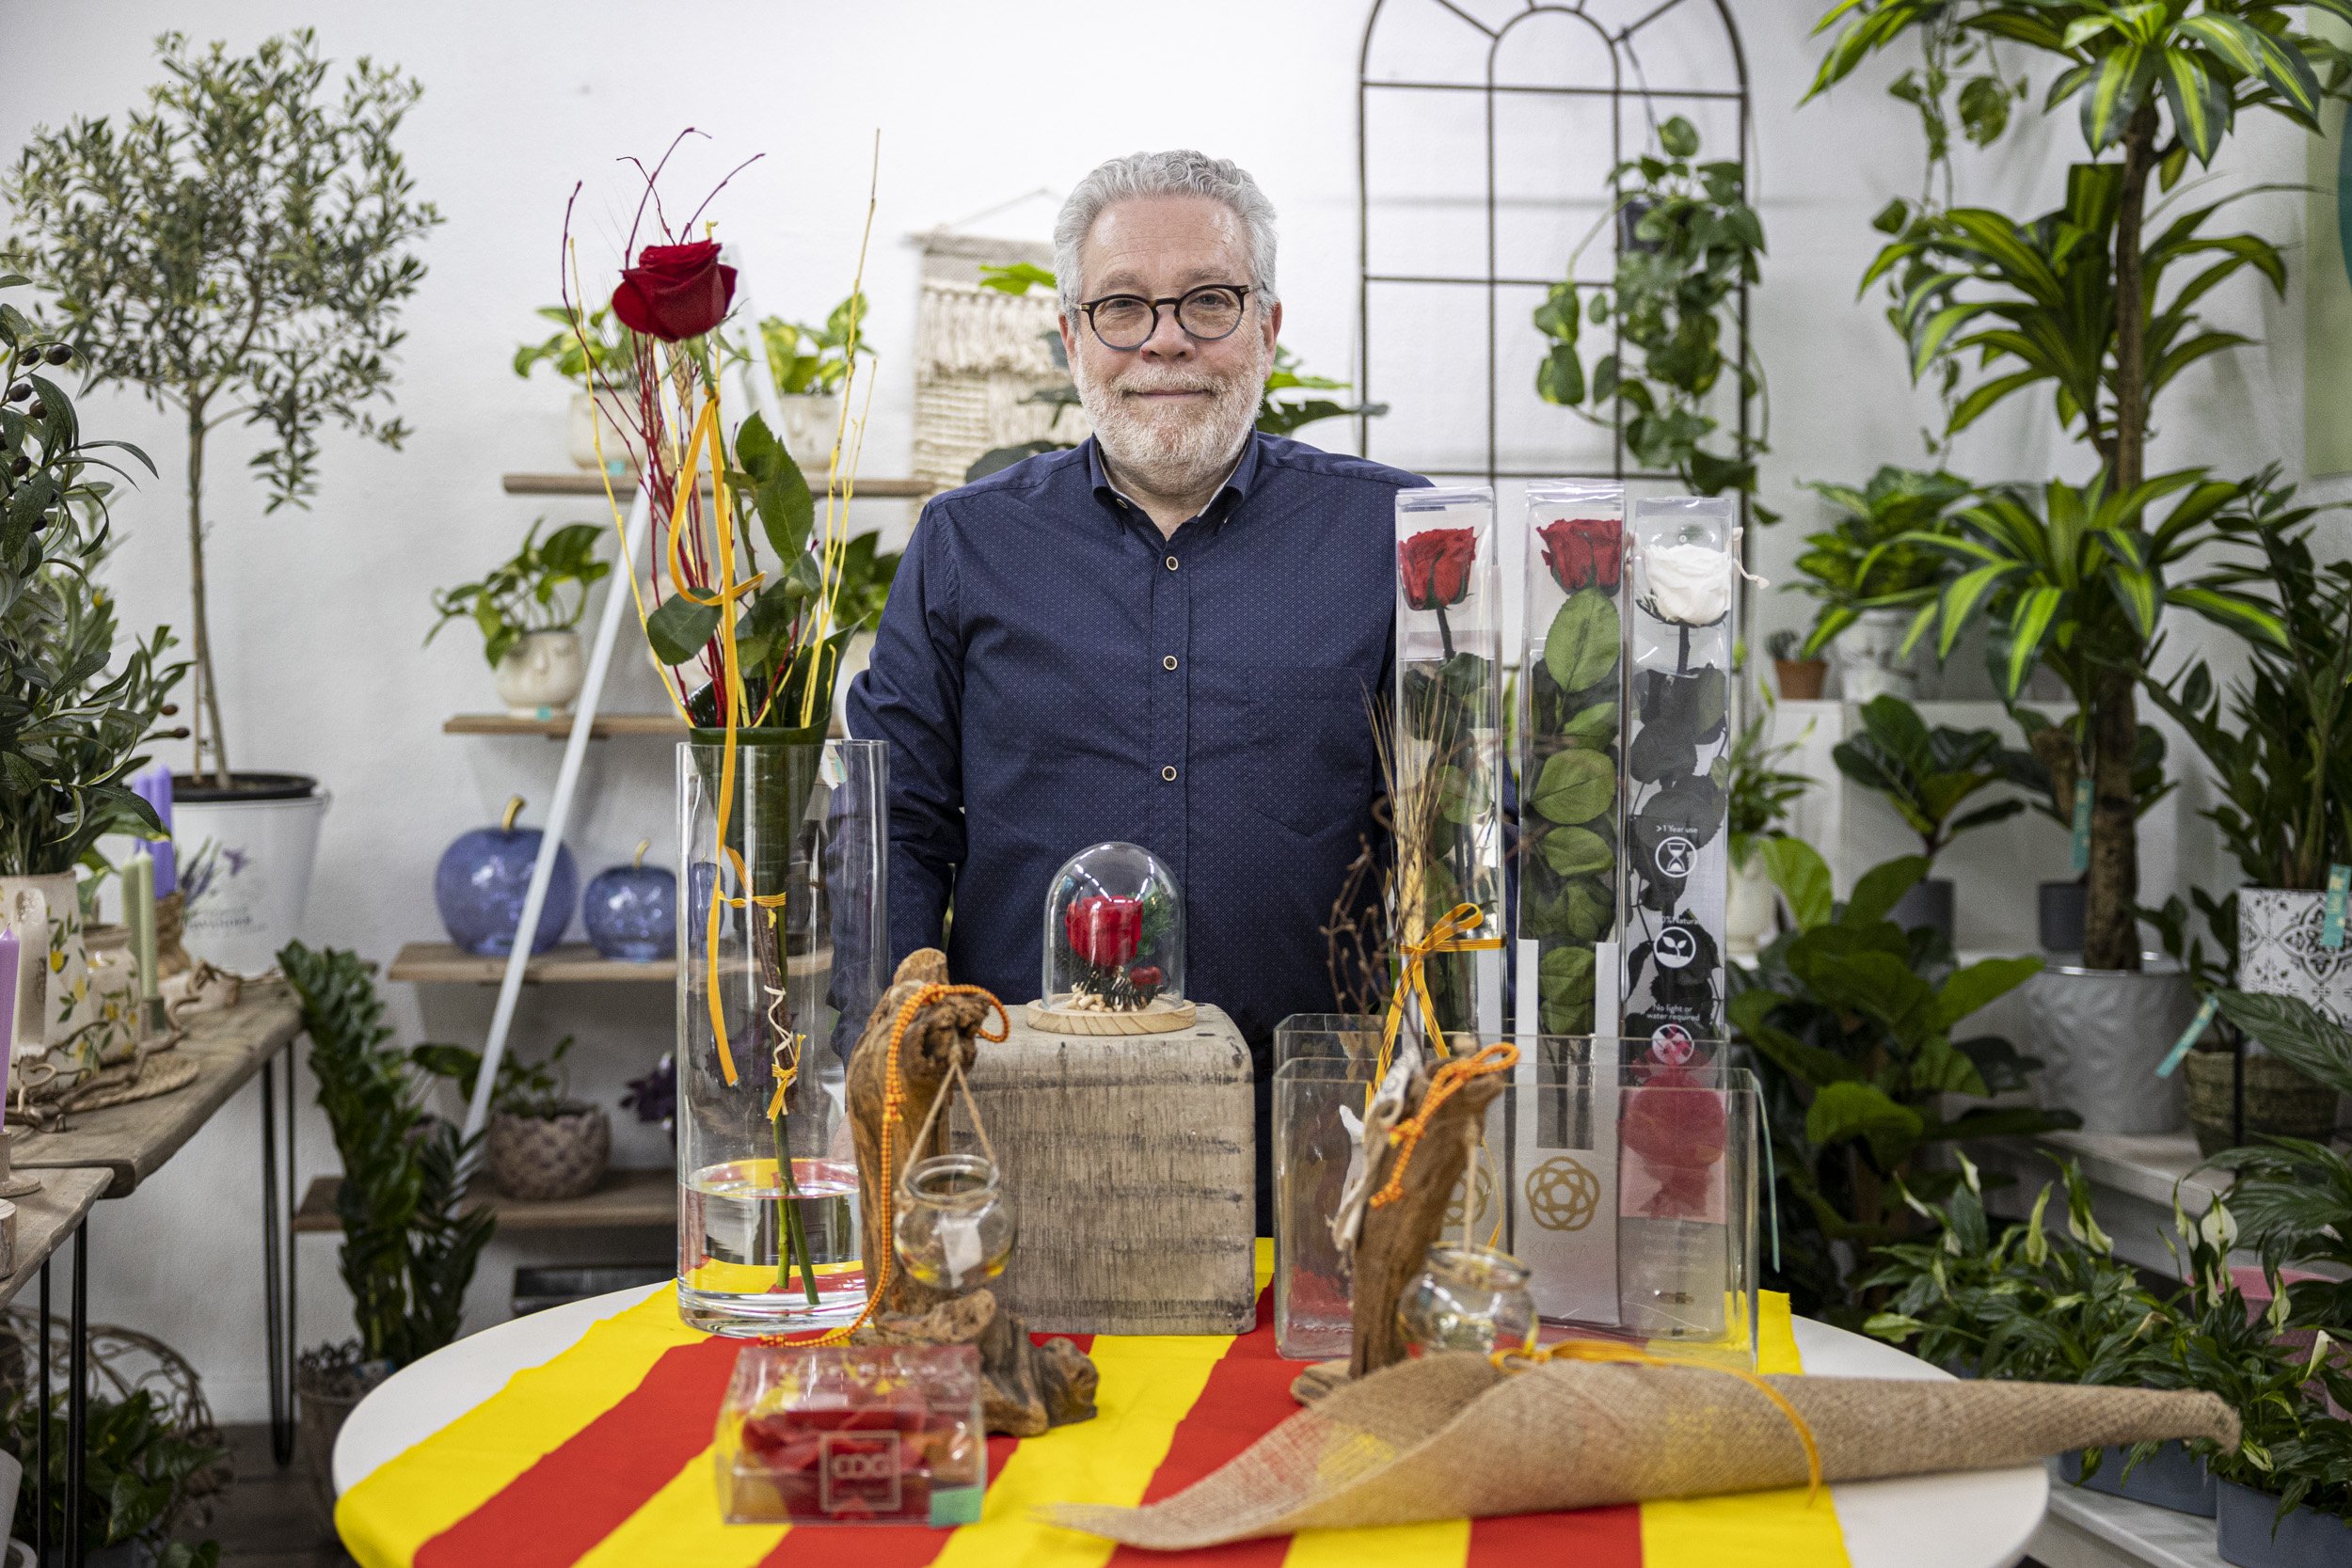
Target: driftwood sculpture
1025	1387
1398	1234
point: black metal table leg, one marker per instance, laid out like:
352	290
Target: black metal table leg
41	1431
278	1260
77	1396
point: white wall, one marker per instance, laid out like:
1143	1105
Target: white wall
321	612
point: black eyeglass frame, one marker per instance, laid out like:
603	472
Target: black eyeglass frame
1088	306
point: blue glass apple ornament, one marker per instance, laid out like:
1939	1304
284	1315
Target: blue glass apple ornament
632	911
482	881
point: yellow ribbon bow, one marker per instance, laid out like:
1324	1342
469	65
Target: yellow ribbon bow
1449	935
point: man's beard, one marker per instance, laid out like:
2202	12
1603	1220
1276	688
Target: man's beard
1178	451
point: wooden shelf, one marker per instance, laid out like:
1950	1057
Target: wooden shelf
645	1198
560	726
567	964
585	481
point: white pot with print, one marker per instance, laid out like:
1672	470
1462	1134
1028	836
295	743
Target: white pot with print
55	1002
2281	952
245	854
541	675
810	421
1869	659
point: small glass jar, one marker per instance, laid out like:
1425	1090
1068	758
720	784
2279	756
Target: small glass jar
953	1231
1469	1298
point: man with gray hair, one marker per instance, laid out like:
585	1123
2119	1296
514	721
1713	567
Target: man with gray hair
1166	636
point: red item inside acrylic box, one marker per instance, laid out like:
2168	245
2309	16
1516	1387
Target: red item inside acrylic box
852	1434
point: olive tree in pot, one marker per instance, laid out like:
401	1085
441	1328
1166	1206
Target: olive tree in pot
410	1243
239	251
1927	775
2094	301
529	623
72	716
2280	743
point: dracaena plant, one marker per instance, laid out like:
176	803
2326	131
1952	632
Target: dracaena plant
1850	1018
2089	300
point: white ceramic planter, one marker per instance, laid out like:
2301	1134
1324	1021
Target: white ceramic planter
54	999
585	428
540	676
2100	1034
245	867
810	420
1748	906
1870	660
2279	952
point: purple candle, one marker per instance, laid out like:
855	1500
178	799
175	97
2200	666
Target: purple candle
7	1007
153	784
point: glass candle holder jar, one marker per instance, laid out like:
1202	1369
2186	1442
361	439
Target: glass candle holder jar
953	1229
1471	1298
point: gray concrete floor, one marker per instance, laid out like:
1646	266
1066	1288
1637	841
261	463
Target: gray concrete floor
268	1518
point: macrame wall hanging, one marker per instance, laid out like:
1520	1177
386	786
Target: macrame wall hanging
980	356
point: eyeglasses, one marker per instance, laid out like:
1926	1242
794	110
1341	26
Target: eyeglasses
1207	313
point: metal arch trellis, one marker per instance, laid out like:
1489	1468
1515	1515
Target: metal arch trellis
1623	60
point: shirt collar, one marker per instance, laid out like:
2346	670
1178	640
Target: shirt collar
1221	506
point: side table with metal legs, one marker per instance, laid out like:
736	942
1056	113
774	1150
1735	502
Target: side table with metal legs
277	1258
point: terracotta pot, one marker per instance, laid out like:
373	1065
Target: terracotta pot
542	1159
1800	679
2279	1100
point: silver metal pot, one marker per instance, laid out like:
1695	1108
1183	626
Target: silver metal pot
2100	1034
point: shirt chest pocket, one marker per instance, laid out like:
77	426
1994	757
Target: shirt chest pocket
1311	764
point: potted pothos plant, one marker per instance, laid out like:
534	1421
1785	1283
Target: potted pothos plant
808	367
239	250
73	714
599	415
527	609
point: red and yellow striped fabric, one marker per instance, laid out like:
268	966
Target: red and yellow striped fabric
602	1457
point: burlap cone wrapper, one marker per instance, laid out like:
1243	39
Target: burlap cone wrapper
1450	1437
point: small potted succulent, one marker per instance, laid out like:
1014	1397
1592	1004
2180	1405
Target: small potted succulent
1801	677
527	609
602	363
541	1145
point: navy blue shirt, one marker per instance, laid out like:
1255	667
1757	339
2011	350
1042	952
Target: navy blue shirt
1051	674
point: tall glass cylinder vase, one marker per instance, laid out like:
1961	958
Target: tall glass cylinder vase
1677	858
1448	739
782	951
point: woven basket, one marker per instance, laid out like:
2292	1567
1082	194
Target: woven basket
541	1158
2279	1100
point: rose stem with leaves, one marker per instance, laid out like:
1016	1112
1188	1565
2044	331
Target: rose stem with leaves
791	1239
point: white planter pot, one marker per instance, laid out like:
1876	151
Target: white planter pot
1748	906
585	428
2100	1034
245	867
2279	952
541	674
810	420
55	1002
1870	660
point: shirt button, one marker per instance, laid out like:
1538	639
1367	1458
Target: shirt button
1171	562
1170	662
1168	773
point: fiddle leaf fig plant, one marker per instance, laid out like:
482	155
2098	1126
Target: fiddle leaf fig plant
1926	774
239	250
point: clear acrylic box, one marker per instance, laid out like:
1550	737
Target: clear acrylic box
841	1435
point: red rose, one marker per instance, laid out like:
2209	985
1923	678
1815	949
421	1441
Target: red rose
1435	565
674	290
1582	552
1146	977
1677	1126
1103	931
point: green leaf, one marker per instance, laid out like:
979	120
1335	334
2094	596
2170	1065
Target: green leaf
680	629
1843	1112
1802	876
1979	983
1582	647
1560	377
1596	724
1882	887
2289	75
1565	980
2030	623
2236	44
2199	105
1591	909
1574	787
1678	137
787	510
2290	1029
2118	82
1575	851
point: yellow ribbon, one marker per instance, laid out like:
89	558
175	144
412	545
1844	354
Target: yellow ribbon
1450	935
1606	1350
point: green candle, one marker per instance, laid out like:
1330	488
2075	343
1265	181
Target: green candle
138	913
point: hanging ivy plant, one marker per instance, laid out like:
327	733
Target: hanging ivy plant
1692	242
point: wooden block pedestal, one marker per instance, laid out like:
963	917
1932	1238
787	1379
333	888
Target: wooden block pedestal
1131	1161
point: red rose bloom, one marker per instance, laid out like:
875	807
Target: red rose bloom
1582	552
1103	931
675	291
1146	977
1678	1126
1434	567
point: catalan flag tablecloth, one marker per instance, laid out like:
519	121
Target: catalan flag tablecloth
602	1456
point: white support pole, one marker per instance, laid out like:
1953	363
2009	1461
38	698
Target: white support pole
616	601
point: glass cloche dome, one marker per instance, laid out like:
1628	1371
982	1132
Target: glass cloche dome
1114	947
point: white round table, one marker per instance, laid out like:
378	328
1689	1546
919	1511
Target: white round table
1969	1519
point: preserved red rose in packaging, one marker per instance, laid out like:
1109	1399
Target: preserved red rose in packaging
852	1434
